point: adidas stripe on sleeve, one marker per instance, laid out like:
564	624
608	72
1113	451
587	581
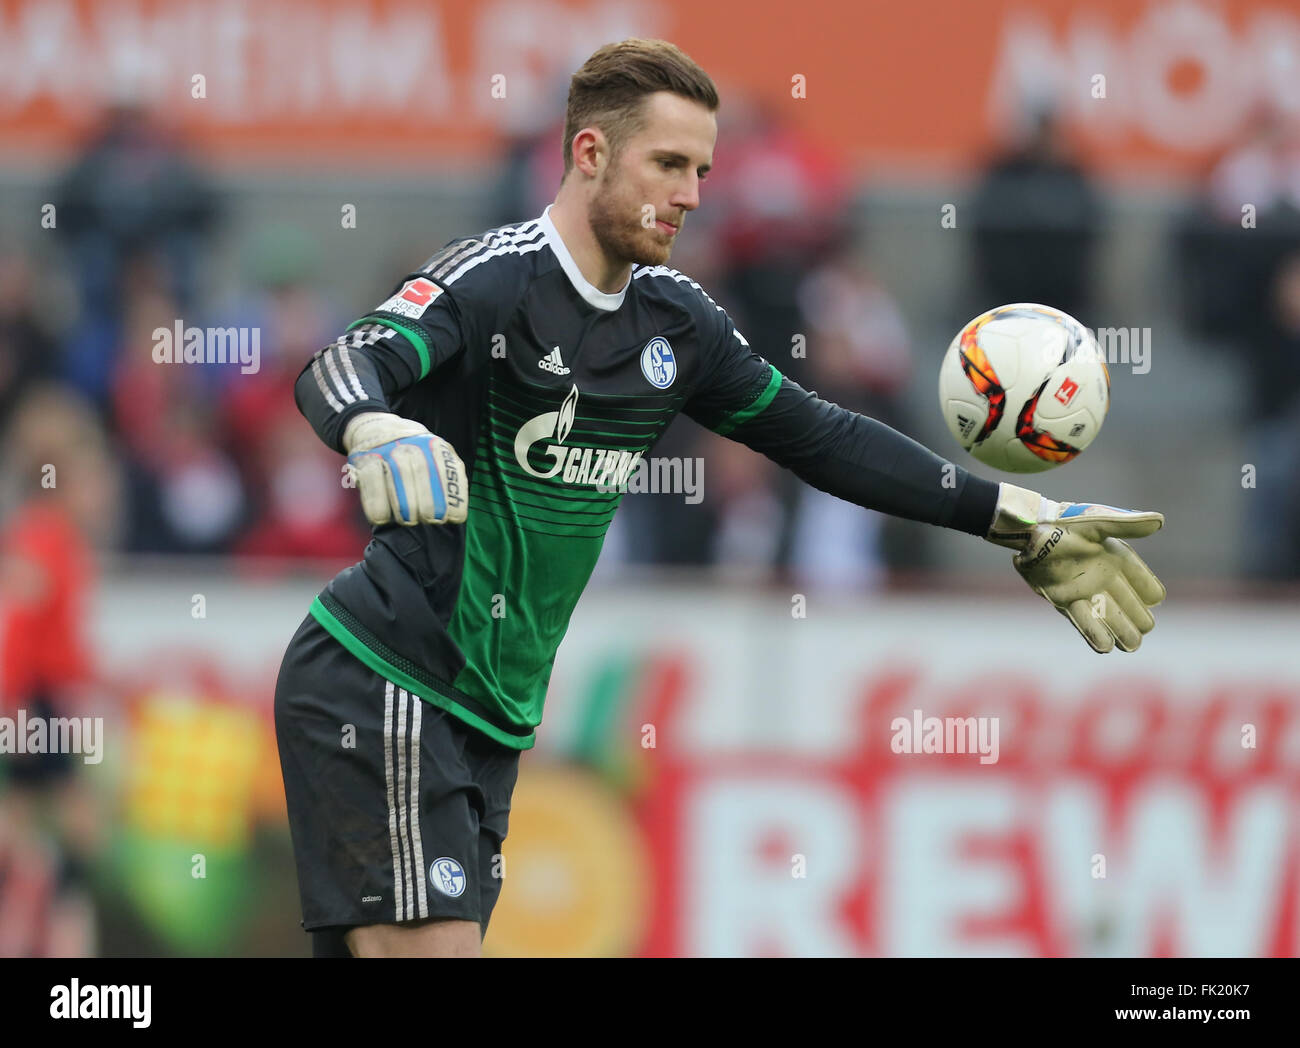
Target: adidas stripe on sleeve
427	320
412	332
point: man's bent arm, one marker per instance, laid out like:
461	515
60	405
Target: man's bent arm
414	331
349	377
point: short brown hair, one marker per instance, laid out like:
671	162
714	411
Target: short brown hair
609	90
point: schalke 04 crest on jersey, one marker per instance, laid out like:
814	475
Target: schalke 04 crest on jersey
658	363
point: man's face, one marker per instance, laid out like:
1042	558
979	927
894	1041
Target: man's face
642	198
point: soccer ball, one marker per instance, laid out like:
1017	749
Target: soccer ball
1024	387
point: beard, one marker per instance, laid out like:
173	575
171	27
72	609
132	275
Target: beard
615	218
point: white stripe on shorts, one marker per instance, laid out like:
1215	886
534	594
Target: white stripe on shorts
417	709
403	813
392	808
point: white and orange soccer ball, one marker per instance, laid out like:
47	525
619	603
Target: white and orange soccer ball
1024	387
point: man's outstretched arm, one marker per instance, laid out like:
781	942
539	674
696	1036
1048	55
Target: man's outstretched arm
1072	554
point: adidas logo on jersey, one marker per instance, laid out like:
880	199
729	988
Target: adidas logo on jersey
553	363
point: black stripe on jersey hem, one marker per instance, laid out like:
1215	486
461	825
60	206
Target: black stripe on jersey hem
508	497
501	499
404	665
594	502
555	531
604	501
583	495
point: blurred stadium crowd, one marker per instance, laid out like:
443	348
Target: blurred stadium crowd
207	460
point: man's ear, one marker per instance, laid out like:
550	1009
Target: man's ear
590	151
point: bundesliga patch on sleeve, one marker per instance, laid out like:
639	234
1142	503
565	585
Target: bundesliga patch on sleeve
413	300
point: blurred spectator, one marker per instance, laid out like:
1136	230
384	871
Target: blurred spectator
185	493
859	358
27	348
62	490
531	171
1274	551
775	200
132	194
532	161
1237	254
747	516
295	320
1034	219
1263	170
306	511
1271	347
298	506
63	494
1229	243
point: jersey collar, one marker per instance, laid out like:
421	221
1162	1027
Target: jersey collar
590	293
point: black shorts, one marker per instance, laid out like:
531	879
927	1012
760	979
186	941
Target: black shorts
379	836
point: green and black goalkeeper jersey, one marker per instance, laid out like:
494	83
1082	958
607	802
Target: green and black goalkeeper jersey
552	391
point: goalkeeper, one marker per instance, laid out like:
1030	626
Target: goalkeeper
492	408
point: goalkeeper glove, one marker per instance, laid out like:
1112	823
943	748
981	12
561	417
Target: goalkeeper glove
1073	554
403	472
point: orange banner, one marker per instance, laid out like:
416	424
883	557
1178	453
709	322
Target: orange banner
1155	87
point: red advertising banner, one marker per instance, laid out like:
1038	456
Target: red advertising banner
889	776
1146	87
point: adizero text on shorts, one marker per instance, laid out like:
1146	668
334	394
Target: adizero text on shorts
397	809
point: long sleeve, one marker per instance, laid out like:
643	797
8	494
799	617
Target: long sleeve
413	332
852	456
